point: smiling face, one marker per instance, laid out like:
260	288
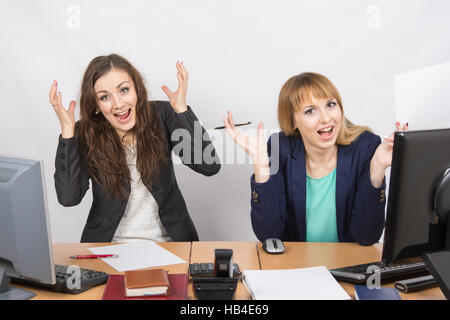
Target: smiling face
319	121
117	99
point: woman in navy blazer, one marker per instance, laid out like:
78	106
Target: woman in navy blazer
316	139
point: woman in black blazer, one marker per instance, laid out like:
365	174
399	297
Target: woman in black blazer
118	123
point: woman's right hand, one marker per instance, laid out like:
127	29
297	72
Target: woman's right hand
254	146
66	117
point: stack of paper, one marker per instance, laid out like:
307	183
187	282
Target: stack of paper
314	283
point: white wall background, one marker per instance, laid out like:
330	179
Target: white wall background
238	53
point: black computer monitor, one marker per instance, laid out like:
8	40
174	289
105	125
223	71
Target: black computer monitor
420	161
25	240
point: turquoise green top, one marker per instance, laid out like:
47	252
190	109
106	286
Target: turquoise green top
321	209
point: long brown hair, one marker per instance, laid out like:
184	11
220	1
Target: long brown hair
99	142
298	90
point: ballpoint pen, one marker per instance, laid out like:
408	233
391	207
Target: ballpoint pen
94	256
236	125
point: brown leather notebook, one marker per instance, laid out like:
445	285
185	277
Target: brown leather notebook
115	288
146	282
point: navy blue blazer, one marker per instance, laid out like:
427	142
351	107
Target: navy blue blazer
278	206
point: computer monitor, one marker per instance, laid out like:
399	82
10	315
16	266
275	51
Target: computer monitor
421	160
25	241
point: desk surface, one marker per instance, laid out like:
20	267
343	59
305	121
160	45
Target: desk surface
334	255
249	256
63	251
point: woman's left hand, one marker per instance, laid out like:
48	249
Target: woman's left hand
177	99
382	157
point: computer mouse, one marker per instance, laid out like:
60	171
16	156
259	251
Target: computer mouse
273	246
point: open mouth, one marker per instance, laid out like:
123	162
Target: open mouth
326	132
123	116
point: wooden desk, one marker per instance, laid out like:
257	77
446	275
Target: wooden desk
249	256
244	254
63	251
334	255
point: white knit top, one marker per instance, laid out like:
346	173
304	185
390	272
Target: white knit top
141	218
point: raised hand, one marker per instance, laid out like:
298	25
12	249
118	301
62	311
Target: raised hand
254	146
66	116
382	158
384	150
177	99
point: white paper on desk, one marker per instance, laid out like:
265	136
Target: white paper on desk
137	255
314	283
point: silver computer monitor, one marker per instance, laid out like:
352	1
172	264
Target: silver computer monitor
25	239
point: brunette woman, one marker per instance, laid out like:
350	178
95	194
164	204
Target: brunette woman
122	143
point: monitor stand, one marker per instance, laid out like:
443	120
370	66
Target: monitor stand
439	264
10	293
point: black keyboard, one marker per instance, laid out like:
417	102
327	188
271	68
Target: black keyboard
71	279
360	273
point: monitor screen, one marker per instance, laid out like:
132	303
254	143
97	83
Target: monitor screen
25	241
420	159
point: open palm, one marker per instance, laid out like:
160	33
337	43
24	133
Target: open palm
177	98
254	146
66	116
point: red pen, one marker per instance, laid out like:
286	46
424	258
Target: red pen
94	256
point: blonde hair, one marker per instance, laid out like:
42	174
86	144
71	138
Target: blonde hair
298	90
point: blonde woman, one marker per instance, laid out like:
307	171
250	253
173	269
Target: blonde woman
329	182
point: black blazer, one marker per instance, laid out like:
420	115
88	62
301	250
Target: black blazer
72	181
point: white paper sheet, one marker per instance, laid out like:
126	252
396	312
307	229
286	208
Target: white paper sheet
314	283
421	97
137	255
